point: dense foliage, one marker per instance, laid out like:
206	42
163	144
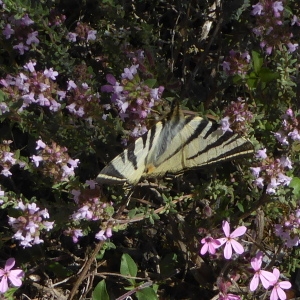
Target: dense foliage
80	80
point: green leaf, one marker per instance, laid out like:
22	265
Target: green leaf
252	80
128	266
59	270
150	82
100	292
146	294
266	75
240	207
295	184
257	61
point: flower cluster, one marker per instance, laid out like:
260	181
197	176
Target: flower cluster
237	117
33	87
289	230
236	63
91	209
56	162
268	279
271	27
29	225
133	97
22	32
82	101
210	244
8	159
83	32
13	276
56	18
271	172
290	130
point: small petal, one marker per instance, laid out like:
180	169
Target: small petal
285	285
3	284
9	264
226	228
15	277
238	248
238	232
254	283
228	251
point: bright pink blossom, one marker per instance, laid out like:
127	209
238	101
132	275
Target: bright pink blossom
265	277
210	245
279	287
230	240
14	276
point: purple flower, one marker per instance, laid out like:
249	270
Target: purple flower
294	135
292	47
30	66
257	9
26	20
209	244
225	124
91	35
271	188
8	31
14	276
265	277
130	72
50	73
71	85
32	38
286	162
230	241
21	48
255	171
262	153
295	20
277	7
102	235
71	37
279	287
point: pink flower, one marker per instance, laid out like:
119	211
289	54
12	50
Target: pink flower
230	241
265	277
210	245
14	276
278	287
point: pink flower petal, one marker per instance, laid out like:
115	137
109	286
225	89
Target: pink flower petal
281	293
285	285
239	231
9	264
211	249
256	261
276	273
15	277
238	248
254	282
204	249
226	228
228	251
274	295
3	284
266	278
